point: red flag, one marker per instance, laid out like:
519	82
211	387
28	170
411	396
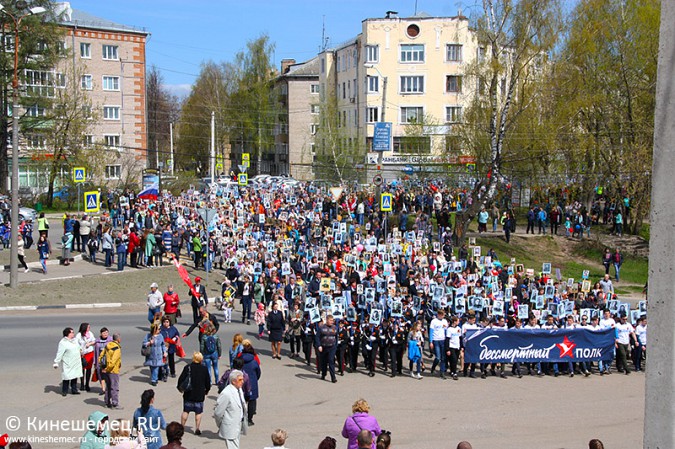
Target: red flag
182	272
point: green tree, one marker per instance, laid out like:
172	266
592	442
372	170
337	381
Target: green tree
607	79
40	47
162	109
513	38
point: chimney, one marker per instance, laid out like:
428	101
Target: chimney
286	65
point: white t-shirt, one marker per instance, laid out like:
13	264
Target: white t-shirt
437	329
641	333
453	334
607	323
467	327
623	332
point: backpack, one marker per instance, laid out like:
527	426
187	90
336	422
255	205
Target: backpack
210	344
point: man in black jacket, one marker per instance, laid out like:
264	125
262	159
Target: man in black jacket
197	302
201	322
326	342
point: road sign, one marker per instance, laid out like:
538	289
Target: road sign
372	158
92	201
336	192
242	168
79	174
243	179
377	180
382	136
386	200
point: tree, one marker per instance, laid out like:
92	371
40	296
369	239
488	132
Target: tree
163	109
64	124
513	36
40	47
254	106
336	153
607	79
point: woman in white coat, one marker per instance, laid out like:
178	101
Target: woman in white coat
230	413
69	359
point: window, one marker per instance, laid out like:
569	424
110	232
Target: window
42	83
453	83
85	50
480	54
113	171
412	53
337	63
313	88
88	140
8	42
372	53
111	112
313	128
111	83
453	52
372	84
87	111
414	114
35	111
111	140
110	52
373	115
36	141
412	84
412	145
453	114
323	65
344	90
314	108
86	82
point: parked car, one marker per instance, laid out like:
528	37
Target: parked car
27	213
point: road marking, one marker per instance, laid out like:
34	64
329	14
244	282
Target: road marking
10	308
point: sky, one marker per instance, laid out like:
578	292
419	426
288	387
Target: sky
186	33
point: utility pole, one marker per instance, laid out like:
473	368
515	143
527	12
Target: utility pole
659	405
212	159
171	145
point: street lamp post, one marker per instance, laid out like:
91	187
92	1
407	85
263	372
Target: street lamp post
14	233
382	116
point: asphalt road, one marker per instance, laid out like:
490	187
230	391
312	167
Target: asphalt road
513	413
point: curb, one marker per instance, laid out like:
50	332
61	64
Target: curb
103	305
54	261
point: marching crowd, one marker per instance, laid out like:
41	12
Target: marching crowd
346	286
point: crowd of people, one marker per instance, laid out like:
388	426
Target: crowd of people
346	286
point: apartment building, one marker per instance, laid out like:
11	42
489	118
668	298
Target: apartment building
295	131
107	62
407	71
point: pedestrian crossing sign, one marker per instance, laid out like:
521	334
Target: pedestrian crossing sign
92	201
385	202
243	179
79	174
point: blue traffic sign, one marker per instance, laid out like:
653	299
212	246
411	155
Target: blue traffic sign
382	136
79	174
386	200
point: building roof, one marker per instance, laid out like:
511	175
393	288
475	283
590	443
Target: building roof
304	69
77	18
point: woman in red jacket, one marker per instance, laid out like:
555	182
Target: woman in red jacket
134	243
171	303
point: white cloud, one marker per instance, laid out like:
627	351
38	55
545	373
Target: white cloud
180	90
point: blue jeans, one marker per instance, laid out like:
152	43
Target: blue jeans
439	354
121	261
108	256
617	268
151	314
209	361
154	373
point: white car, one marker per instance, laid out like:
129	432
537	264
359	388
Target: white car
27	213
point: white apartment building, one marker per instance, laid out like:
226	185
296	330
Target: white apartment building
407	71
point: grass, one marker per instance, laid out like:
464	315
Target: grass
533	252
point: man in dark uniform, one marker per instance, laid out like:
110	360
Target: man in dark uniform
326	341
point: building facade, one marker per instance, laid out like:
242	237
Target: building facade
106	62
295	131
407	71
